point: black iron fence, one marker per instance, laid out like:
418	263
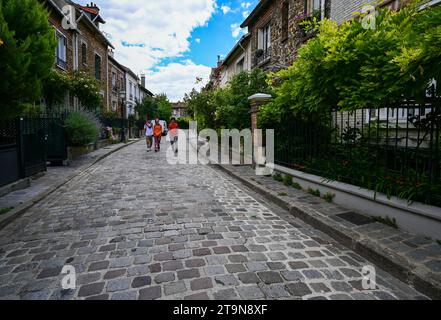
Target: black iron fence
396	150
28	143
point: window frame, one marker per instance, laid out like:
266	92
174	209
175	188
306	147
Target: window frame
99	78
285	19
84	57
63	65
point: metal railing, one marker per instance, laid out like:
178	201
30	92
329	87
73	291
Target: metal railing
395	150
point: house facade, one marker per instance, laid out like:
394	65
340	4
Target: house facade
179	109
132	91
116	83
237	60
275	32
343	10
82	46
92	48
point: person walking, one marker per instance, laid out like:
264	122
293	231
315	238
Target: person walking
157	133
148	127
173	132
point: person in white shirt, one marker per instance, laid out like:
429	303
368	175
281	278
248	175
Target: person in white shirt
148	127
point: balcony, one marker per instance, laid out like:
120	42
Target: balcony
262	56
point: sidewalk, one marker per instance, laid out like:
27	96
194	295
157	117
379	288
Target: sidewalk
54	178
414	259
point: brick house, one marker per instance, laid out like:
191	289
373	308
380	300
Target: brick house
117	83
275	32
84	48
93	47
64	53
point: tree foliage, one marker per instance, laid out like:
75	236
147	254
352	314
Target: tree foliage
155	107
80	85
27	53
351	67
227	107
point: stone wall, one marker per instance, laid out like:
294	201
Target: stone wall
114	101
283	51
94	45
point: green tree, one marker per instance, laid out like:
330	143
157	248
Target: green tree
227	107
351	68
148	107
27	53
164	107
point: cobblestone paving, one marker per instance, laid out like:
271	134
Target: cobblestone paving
135	227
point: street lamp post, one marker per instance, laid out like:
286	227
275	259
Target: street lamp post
122	95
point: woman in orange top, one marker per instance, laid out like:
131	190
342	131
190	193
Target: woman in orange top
173	129
157	133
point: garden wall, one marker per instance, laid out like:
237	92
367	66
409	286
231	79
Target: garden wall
416	217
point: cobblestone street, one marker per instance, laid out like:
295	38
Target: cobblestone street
135	227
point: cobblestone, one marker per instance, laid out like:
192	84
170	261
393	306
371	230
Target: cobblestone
200	235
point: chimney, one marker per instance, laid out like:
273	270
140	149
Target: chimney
94	7
143	80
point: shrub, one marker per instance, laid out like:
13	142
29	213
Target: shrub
278	177
314	192
296	185
329	197
183	123
287	180
82	128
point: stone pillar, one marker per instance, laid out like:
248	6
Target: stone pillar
256	101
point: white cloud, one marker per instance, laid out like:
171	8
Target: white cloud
152	31
197	40
236	30
245	14
176	79
245	5
225	9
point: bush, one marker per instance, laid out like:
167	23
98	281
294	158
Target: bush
296	185
183	123
82	128
278	177
314	192
287	180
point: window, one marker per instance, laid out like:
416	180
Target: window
285	20
265	38
240	65
131	90
97	67
60	54
313	6
84	53
114	84
113	105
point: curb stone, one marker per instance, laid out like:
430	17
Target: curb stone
12	215
388	260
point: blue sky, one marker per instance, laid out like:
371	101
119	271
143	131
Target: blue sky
173	41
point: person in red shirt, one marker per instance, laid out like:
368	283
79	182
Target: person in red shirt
157	133
173	128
